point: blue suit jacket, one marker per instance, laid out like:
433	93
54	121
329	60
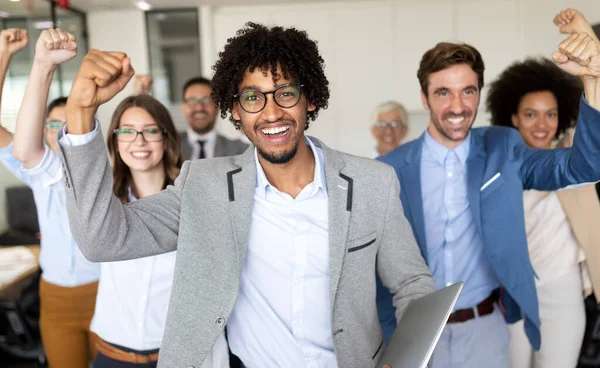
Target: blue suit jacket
498	208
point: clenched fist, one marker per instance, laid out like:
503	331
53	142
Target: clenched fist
570	21
55	47
579	55
101	76
11	41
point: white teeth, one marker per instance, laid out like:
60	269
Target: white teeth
387	139
140	154
456	120
540	135
275	130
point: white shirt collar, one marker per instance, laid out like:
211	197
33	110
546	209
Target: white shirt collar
194	137
320	179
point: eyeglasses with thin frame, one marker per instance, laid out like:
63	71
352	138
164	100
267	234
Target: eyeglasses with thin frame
391	124
54	125
253	101
130	135
192	101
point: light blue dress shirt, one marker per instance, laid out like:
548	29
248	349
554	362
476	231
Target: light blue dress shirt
455	249
60	258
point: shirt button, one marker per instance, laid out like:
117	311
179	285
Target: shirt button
220	322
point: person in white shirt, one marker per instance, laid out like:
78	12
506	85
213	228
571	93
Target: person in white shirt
201	139
133	296
542	102
69	281
390	126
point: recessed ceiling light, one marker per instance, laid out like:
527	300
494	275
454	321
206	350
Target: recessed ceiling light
15	1
143	5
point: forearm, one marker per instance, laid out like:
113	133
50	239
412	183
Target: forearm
104	229
80	120
29	131
591	89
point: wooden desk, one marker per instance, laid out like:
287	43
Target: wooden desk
12	290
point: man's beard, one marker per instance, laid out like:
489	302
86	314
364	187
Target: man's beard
438	126
279	157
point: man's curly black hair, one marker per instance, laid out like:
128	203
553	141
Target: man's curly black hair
534	75
258	46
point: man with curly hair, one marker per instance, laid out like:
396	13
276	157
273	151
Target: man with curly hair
277	247
462	192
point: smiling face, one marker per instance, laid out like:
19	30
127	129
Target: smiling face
537	119
199	108
140	155
389	130
452	99
275	131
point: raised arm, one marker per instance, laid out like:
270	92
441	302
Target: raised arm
11	41
578	55
53	47
104	228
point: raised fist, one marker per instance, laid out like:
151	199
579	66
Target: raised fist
579	55
12	40
101	76
55	47
570	21
142	84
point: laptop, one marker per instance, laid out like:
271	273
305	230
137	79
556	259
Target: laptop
420	328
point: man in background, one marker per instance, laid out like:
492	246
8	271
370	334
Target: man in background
201	139
390	126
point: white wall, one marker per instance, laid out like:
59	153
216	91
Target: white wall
372	49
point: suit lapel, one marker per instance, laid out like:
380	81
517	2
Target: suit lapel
475	168
186	149
410	180
340	188
241	184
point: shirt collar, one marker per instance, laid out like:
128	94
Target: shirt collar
194	137
320	181
439	151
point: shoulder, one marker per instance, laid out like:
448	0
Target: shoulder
231	142
365	168
399	155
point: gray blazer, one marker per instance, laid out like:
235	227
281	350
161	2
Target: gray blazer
223	147
206	217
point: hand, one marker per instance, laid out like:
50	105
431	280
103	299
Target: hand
54	47
570	21
579	55
101	76
12	40
142	84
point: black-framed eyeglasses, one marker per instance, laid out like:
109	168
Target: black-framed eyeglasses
54	125
130	135
253	101
390	124
192	101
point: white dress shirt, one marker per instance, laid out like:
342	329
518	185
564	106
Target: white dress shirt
133	299
282	316
61	260
553	248
210	141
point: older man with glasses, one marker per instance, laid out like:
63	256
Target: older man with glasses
201	139
390	126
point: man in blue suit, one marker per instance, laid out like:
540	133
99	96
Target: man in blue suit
462	191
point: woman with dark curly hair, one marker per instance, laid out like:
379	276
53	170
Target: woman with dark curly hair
542	102
277	248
